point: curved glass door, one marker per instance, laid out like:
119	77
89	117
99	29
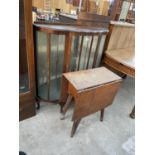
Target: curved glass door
42	68
56	65
50	58
86	52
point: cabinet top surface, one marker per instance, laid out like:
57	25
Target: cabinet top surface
91	78
125	56
69	28
119	23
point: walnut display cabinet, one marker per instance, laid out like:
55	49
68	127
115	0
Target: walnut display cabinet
64	48
26	61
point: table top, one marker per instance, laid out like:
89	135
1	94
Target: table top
124	56
119	23
91	78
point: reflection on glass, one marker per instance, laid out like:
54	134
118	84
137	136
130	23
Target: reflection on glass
49	90
100	52
85	61
56	65
91	60
42	70
85	52
75	51
49	79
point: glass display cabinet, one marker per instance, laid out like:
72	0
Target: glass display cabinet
26	61
64	48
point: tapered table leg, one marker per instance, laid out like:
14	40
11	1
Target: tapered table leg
66	106
74	127
101	115
132	115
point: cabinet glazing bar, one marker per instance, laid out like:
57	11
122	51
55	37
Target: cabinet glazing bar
80	52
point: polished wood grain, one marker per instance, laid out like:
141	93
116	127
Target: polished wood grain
69	28
73	22
27	99
94	99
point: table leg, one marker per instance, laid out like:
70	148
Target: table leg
101	115
132	114
66	106
74	127
38	103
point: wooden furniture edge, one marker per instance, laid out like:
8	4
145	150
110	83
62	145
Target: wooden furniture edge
119	66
